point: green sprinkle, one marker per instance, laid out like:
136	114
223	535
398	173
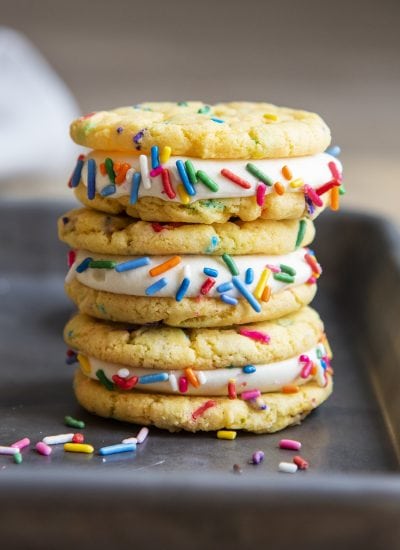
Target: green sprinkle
342	190
204	110
202	176
284	322
18	458
104	380
319	353
252	168
191	171
73	423
301	232
233	268
287	269
284	277
102	264
182	103
110	169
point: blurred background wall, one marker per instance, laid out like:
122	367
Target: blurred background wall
341	59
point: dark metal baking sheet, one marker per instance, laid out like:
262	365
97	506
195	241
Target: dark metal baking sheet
179	489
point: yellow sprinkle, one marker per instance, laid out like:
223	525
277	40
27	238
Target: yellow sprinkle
78	448
327	346
182	194
262	281
271	116
296	183
226	434
165	154
84	363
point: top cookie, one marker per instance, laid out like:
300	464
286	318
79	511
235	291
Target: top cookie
238	130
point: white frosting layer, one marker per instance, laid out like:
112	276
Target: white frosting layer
313	170
266	378
136	281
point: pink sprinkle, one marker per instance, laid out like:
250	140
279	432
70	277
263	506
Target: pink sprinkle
289	444
156	171
312	195
260	194
250	394
142	435
306	370
311	281
273	268
334	171
202	409
43	449
183	384
255	335
71	257
22	443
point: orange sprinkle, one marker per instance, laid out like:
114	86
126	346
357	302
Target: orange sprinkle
165	266
116	167
290	388
103	170
335	198
313	371
286	172
330	370
121	173
279	188
192	378
266	295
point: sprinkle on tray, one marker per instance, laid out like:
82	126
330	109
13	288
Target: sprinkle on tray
4	450
301	232
203	408
78	448
73	423
132	264
255	335
257	457
130	440
142	435
260	194
235	179
43	449
155	287
226	434
290	444
18	458
287	467
58	439
230	263
208	182
259	174
237	469
300	462
21	444
119	448
246	294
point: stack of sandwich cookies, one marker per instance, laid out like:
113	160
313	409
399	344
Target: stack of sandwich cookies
216	256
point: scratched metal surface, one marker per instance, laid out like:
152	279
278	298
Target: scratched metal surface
351	441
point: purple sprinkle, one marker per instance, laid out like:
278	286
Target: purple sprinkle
310	205
65	220
120	130
139	136
257	457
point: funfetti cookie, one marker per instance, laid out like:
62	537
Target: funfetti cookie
259	378
190	290
197	163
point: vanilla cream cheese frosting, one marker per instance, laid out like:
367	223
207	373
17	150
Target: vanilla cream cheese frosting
266	378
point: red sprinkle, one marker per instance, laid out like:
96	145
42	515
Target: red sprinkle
327	186
78	438
232	390
166	181
71	353
71	257
125	383
312	262
260	194
158	227
312	195
202	409
301	463
207	286
334	171
84	117
255	335
183	384
236	179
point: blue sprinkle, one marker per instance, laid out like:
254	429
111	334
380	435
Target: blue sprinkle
249	276
155	161
246	294
249	369
108	190
219	120
76	175
153	378
182	289
120	448
155	287
91	179
210	272
190	190
229	299
323	364
71	360
213	244
333	150
132	264
83	266
224	287
136	179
